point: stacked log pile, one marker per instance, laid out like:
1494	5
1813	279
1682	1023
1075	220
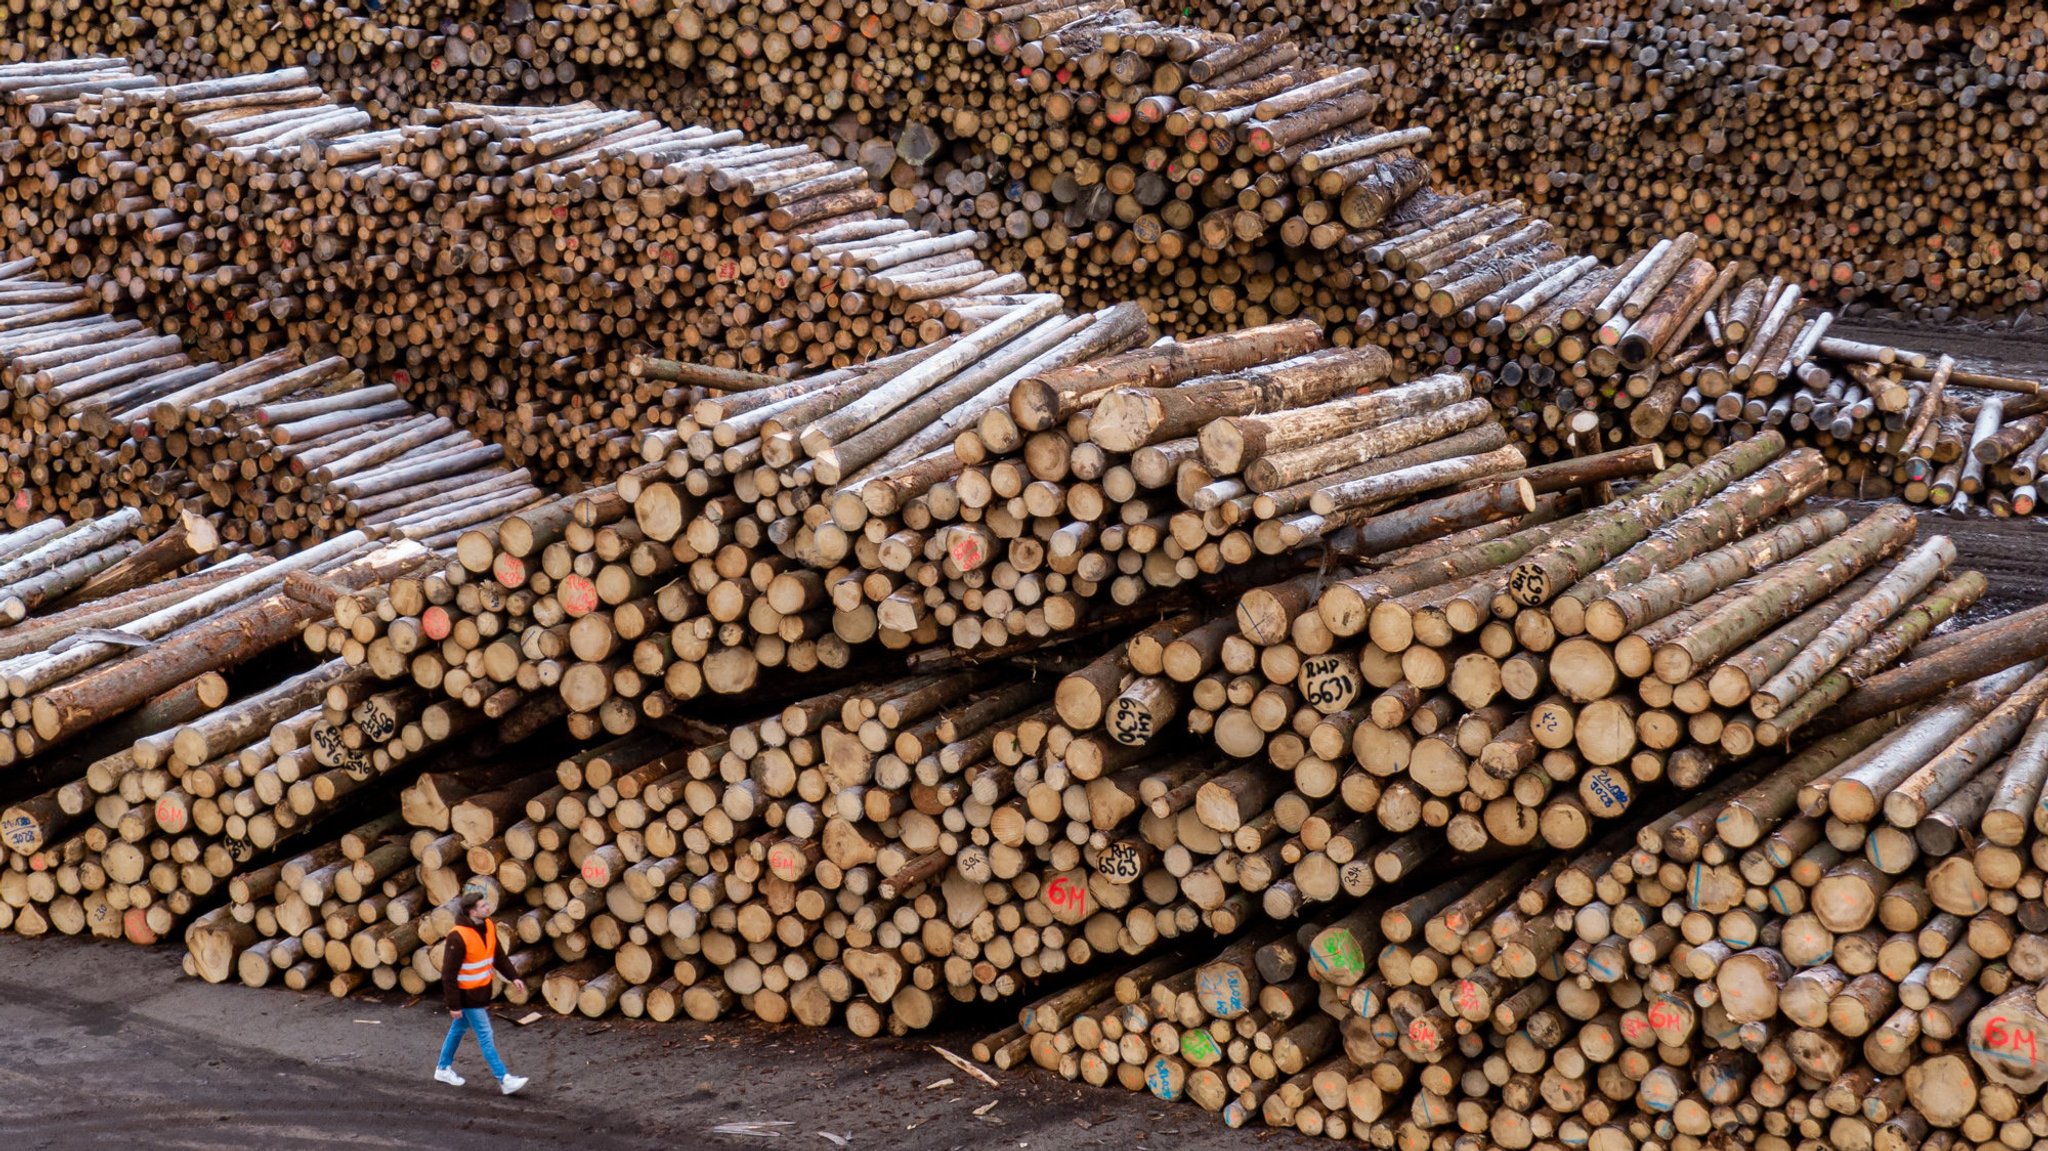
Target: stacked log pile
1009	119
1663	349
571	599
1533	684
927	790
1240	644
782	870
1299	205
1077	496
1752	966
634	598
1592	673
134	785
1094	787
1130	184
1619	125
1835	945
858	853
1114	160
106	413
800	542
496	264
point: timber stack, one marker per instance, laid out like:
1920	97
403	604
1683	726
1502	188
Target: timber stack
1536	683
128	792
249	214
629	609
106	413
1710	360
1023	482
1216	182
348	909
1840	946
871	852
1575	353
1550	102
1257	708
873	502
779	870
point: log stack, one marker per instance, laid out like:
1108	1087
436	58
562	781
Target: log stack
129	788
802	541
1262	661
572	599
1835	946
993	829
108	414
1264	189
1525	684
1578	355
349	910
1109	185
1551	102
851	855
1595	998
926	790
1666	348
1080	494
1100	805
779	870
248	214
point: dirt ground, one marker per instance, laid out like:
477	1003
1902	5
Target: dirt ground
2012	553
1977	346
105	1045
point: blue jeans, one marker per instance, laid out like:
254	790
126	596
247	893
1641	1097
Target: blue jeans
478	1020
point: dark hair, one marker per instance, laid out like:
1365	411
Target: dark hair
471	900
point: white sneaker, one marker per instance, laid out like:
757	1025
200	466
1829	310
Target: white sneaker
511	1084
447	1075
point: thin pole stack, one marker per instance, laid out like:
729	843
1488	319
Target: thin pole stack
106	411
564	228
1216	182
1695	135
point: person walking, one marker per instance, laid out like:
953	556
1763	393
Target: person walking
467	963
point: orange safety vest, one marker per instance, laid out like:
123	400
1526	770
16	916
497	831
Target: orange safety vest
479	953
